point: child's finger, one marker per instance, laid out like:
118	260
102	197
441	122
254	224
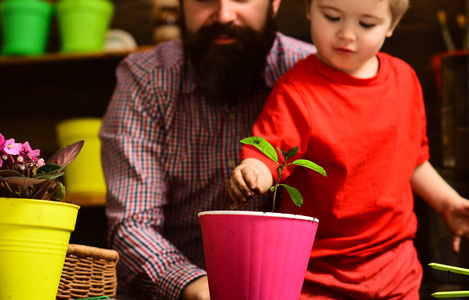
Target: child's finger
236	195
241	185
251	178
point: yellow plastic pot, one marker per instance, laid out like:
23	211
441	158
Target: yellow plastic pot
34	235
84	175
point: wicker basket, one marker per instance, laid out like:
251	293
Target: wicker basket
88	272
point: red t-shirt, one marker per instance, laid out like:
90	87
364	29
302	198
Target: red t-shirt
368	134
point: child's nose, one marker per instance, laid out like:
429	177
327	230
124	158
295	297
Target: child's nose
346	33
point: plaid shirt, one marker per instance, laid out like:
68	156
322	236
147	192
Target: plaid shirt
167	155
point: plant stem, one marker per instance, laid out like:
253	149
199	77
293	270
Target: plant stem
8	187
279	172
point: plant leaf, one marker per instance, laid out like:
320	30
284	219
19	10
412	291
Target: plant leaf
66	154
10	173
20	185
60	191
294	194
292	152
283	152
264	146
25	182
310	165
50	176
48	169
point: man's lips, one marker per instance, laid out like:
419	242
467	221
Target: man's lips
224	39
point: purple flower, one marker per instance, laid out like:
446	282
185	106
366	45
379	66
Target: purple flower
22	163
2	141
40	162
2	144
12	148
27	151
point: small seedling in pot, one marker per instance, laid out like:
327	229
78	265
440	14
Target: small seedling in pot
266	148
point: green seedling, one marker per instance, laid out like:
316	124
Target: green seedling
266	148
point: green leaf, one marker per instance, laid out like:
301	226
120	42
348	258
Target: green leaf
48	169
310	165
294	194
264	146
60	192
292	152
283	152
50	176
10	173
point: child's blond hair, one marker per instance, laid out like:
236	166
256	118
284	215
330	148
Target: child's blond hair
398	9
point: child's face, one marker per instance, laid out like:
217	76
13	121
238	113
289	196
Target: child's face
348	33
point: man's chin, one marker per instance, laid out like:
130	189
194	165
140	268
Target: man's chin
229	63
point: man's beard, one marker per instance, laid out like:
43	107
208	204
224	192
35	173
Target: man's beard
229	73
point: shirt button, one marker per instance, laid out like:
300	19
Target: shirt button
231	163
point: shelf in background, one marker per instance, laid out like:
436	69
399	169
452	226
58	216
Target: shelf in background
65	57
37	92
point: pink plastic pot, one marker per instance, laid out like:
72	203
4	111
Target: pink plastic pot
256	255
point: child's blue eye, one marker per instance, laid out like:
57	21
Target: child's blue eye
366	25
330	18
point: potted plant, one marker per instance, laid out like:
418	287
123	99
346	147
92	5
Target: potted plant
35	226
259	255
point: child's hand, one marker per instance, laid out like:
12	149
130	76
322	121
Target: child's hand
456	217
244	183
251	178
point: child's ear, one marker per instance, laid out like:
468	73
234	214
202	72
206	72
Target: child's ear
275	6
308	9
393	26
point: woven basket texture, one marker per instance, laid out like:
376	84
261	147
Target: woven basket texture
88	272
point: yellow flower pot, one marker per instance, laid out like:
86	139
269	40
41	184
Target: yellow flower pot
34	235
84	175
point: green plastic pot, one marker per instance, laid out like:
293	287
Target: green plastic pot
83	24
25	26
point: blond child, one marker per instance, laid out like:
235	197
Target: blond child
358	113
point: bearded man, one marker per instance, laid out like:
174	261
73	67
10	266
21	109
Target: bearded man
170	138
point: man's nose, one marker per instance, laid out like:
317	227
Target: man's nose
226	12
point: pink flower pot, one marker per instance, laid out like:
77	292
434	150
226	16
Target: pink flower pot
256	255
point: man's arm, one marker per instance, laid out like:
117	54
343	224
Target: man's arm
137	194
430	186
